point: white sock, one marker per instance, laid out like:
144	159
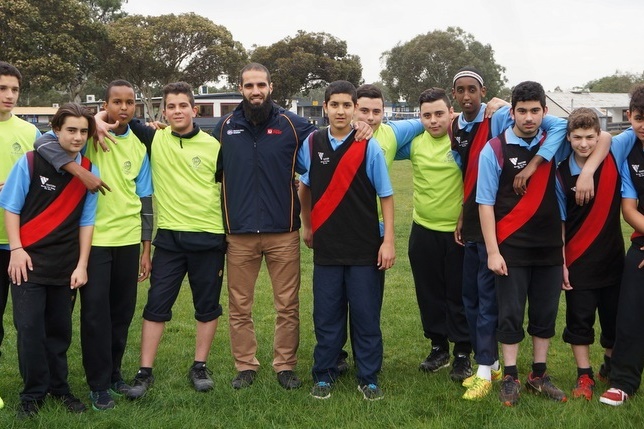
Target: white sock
496	366
484	372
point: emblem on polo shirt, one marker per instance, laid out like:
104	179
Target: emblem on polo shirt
196	162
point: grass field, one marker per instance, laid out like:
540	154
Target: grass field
413	399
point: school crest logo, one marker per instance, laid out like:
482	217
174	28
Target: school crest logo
636	169
196	162
127	167
519	165
273	131
323	160
46	186
16	149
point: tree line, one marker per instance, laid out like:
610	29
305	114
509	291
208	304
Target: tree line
68	48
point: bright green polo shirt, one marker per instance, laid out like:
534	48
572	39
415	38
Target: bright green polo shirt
438	183
183	174
16	137
118	213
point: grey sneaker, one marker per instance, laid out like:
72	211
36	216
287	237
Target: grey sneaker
140	385
543	386
199	375
461	368
119	388
321	390
288	380
437	359
101	400
371	392
244	379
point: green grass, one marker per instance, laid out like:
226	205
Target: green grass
413	399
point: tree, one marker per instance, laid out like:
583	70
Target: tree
432	59
58	52
306	61
106	10
153	51
619	82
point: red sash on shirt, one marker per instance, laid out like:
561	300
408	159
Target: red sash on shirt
472	171
597	215
342	178
62	207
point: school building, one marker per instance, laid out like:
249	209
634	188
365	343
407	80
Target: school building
610	108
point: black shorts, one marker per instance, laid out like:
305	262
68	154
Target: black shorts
581	306
205	269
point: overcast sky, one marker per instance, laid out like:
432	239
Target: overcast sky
556	42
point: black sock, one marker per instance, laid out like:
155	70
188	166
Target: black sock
585	371
607	363
511	370
145	371
198	363
538	369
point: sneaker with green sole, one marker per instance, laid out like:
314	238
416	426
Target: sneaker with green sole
321	390
371	392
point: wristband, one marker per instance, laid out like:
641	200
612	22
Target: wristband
16	248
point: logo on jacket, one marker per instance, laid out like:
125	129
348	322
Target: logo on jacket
519	165
636	169
323	160
273	131
231	132
46	186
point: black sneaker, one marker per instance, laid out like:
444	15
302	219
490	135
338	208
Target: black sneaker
101	400
461	368
437	359
28	409
510	388
119	388
199	375
243	379
71	402
288	380
341	364
544	386
141	383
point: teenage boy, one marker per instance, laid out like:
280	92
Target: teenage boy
436	259
123	221
391	137
470	131
49	223
340	221
16	138
594	247
627	360
190	237
523	240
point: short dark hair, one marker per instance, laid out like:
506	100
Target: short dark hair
340	87
179	88
256	67
7	69
434	94
529	91
473	72
76	110
117	82
584	118
369	91
637	99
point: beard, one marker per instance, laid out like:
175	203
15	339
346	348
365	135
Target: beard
257	114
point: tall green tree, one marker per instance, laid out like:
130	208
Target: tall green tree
53	42
151	51
618	82
432	59
106	10
306	61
